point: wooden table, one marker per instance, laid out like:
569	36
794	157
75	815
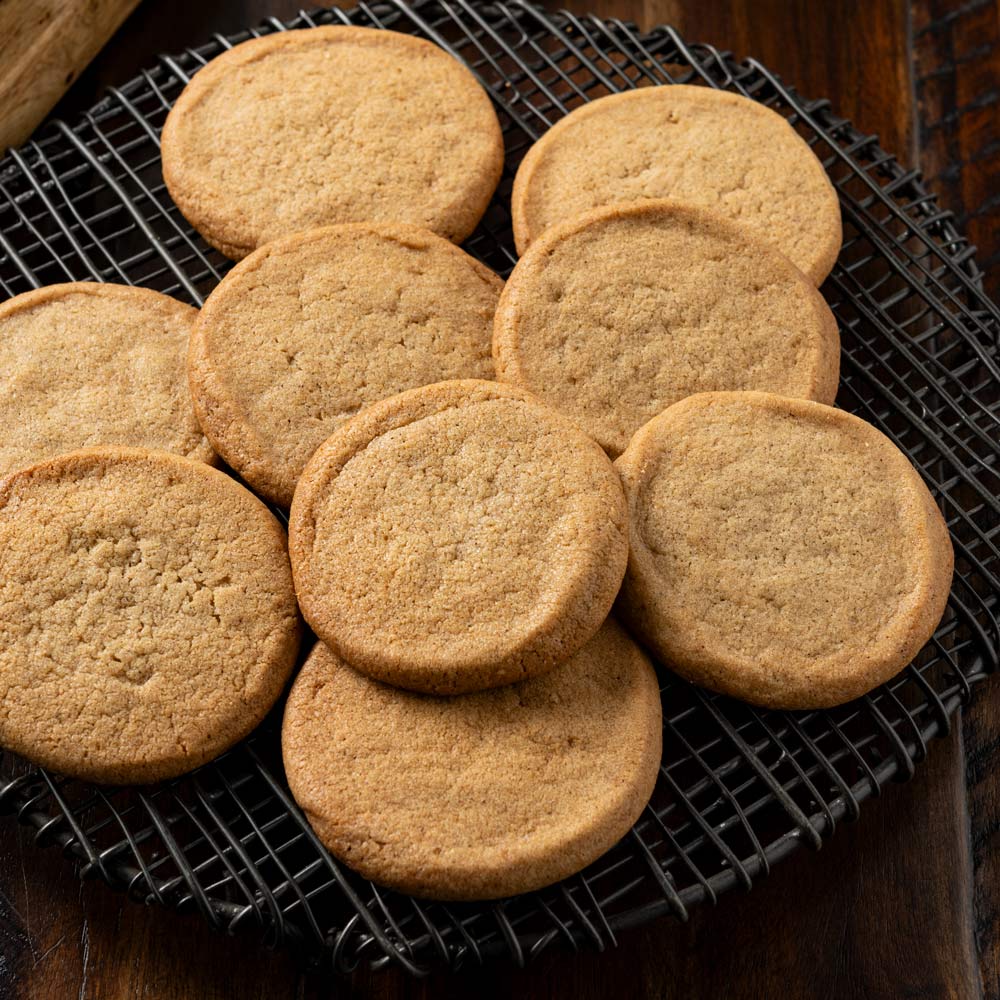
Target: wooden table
906	903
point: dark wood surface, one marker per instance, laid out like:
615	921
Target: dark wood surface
956	84
904	903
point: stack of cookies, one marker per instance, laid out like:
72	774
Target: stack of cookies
475	473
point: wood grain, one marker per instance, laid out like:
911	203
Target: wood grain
956	55
43	46
884	910
853	50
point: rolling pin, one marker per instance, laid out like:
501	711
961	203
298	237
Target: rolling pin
44	44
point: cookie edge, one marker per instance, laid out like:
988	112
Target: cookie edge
637	601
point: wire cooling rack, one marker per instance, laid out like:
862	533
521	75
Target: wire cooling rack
738	788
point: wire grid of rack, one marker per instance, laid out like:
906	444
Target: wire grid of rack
738	788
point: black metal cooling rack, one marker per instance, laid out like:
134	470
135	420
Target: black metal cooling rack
738	788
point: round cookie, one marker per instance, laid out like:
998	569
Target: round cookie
94	364
619	313
147	616
457	537
483	795
333	124
781	551
309	329
695	145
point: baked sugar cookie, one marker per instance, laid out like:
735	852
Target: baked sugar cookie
782	551
147	617
309	329
457	537
334	124
92	364
621	312
483	795
694	145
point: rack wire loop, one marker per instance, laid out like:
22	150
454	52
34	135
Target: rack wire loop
739	788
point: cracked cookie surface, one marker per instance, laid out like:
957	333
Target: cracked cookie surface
781	551
621	312
147	616
482	795
88	364
332	124
308	330
457	537
695	145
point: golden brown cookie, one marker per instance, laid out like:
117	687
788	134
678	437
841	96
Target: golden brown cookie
92	364
781	551
483	795
619	313
694	145
309	329
335	124
457	537
147	617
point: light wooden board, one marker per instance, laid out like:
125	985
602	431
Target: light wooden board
44	44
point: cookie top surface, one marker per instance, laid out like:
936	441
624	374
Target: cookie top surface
457	537
782	551
694	145
147	616
309	329
619	313
483	795
93	364
332	124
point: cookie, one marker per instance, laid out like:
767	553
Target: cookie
782	551
694	145
335	124
457	537
309	329
619	313
482	795
91	364
147	616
